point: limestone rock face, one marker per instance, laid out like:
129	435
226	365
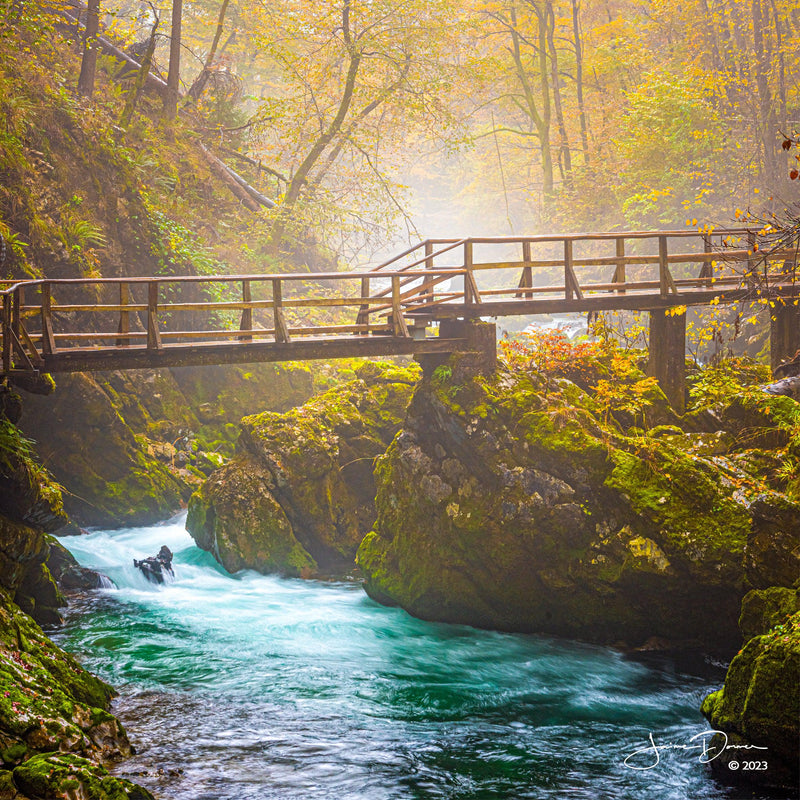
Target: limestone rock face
757	709
520	503
298	497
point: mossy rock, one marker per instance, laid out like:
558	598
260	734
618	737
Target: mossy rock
67	777
47	700
519	502
299	496
758	707
763	609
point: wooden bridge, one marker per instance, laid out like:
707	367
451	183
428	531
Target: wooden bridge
407	305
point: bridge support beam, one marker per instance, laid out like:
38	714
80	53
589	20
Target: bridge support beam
479	344
667	362
784	333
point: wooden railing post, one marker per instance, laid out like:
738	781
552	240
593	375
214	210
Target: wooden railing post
467	272
398	323
281	331
571	285
665	282
16	313
153	335
619	271
706	270
48	339
471	294
246	322
363	310
124	327
425	289
752	260
7	346
526	279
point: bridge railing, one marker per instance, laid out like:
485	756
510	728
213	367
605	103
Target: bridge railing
145	312
629	263
436	279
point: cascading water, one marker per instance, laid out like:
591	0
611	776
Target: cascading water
262	687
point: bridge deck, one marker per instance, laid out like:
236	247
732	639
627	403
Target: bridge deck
130	323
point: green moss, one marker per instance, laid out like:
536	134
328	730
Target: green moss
65	775
761	696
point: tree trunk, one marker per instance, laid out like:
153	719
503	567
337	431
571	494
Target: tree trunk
202	79
564	154
174	75
89	60
576	30
141	78
541	121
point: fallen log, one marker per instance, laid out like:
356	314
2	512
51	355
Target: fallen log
233	178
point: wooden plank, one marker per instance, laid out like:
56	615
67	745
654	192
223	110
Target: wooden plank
48	340
247	353
707	268
281	331
153	334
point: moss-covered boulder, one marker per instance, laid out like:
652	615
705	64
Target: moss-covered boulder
299	496
541	499
68	777
757	712
47	701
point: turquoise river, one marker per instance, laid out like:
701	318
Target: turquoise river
245	687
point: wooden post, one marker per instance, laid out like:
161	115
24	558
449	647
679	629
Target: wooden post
153	335
471	294
468	272
363	310
124	316
398	322
246	322
526	280
619	272
665	282
16	313
48	339
784	332
428	268
751	259
571	285
7	303
281	331
707	271
667	361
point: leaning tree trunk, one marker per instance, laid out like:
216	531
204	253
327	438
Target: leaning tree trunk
141	78
89	60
